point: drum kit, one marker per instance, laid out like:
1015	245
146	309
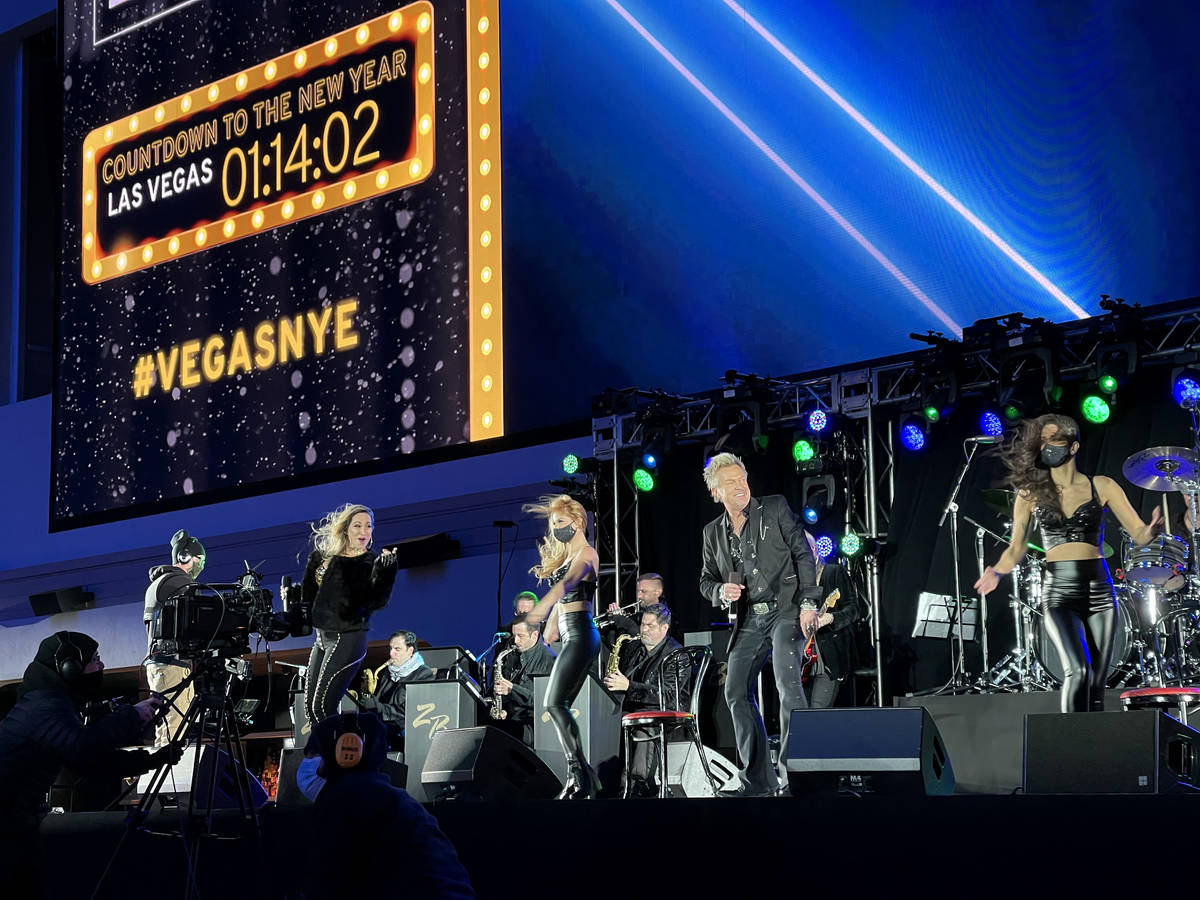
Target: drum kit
1157	637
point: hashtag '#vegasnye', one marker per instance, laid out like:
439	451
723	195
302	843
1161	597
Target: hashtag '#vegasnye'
143	375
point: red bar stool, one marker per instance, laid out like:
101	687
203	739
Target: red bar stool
679	711
1158	697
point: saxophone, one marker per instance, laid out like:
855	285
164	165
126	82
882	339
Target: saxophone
370	680
614	660
498	711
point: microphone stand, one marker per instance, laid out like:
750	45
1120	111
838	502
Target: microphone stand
501	525
958	669
480	658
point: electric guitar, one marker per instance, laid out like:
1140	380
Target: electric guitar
810	646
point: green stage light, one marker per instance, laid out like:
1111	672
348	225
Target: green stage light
932	414
803	451
642	479
1095	409
570	464
1012	412
851	544
1107	384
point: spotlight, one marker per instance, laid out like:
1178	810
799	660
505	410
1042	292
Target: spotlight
851	544
991	424
1095	409
818	421
931	414
643	480
824	546
649	460
1108	384
1014	411
818	497
912	434
1186	387
573	465
810	515
803	450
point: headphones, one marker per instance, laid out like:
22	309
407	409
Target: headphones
69	667
185	548
350	747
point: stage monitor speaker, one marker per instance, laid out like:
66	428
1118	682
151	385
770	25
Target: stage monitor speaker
1136	752
51	603
485	764
896	750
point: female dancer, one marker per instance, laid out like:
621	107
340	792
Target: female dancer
345	582
1077	595
569	563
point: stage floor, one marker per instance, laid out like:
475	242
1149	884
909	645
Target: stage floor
970	846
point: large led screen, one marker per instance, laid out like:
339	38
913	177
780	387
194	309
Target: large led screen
281	244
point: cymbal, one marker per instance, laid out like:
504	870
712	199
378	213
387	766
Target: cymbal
1162	468
998	500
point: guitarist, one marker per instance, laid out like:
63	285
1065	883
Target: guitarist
757	560
828	658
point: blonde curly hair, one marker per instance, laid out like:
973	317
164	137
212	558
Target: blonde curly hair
330	535
553	552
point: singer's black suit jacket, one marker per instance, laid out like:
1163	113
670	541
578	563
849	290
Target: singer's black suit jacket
777	562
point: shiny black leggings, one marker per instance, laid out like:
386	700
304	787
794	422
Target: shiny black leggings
581	646
1080	615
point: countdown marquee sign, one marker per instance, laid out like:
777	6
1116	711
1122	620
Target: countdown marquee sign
336	122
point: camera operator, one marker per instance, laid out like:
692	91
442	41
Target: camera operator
45	732
164	672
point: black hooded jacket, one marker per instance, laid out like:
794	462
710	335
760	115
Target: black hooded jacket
351	589
44	732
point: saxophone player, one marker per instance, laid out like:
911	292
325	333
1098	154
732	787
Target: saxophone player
383	690
643	660
514	685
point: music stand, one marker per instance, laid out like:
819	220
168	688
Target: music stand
935	612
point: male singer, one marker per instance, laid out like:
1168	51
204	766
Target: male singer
756	559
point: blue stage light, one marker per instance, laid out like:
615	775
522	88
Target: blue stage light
991	424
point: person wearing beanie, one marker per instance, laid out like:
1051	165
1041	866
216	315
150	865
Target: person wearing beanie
163	671
342	773
44	732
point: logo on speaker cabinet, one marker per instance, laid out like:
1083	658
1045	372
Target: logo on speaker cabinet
425	717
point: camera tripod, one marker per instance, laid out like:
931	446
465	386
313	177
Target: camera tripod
210	720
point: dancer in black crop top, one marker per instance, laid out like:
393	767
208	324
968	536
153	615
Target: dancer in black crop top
569	564
1077	597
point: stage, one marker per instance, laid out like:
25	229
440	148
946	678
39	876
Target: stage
968	845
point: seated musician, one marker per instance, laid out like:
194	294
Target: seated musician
643	660
835	636
649	590
384	689
515	683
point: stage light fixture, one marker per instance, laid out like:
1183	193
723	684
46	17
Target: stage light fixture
851	544
803	450
931	414
818	421
574	465
1108	384
912	434
1095	409
643	480
811	516
649	460
991	424
1185	387
825	546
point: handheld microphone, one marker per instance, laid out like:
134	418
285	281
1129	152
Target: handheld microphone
983	439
